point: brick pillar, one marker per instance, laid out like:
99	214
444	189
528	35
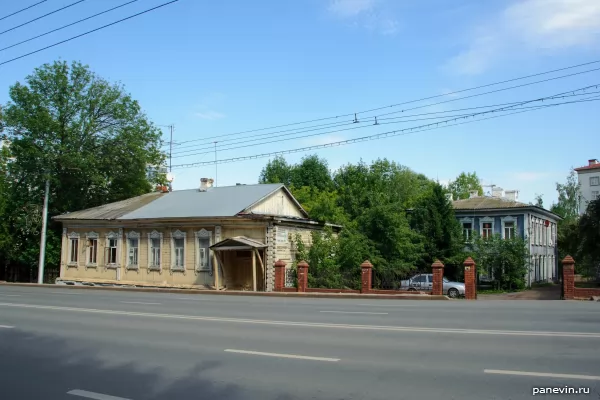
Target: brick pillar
279	275
470	279
568	278
366	277
438	278
302	276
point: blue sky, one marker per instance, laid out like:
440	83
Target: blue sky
216	68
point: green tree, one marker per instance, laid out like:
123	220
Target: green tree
568	198
539	201
84	134
434	219
506	260
312	172
462	186
588	259
277	171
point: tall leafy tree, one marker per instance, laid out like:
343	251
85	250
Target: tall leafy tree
589	245
277	171
86	135
462	186
434	218
568	198
312	172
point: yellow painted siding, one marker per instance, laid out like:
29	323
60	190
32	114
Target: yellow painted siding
285	242
278	203
166	276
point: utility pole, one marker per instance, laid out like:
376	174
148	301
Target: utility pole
44	227
216	165
171	128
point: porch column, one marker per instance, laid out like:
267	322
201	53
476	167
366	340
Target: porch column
217	266
568	278
438	278
470	279
302	276
254	271
279	275
366	281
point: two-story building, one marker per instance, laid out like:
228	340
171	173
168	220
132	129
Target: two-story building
497	214
212	237
589	184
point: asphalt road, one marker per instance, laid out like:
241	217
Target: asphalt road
76	344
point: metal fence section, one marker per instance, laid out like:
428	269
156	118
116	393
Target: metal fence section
290	278
396	280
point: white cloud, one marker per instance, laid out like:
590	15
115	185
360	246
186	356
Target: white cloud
527	26
205	109
209	115
365	13
350	8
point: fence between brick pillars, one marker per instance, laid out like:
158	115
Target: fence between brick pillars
570	292
366	280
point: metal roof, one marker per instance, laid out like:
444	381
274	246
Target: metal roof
225	201
112	210
494	203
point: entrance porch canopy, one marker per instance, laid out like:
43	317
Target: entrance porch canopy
239	243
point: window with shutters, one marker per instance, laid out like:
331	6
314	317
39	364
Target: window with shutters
92	249
178	251
154	250
73	257
133	250
203	254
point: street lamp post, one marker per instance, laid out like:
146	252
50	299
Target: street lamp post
44	228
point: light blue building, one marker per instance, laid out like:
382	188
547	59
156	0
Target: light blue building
504	215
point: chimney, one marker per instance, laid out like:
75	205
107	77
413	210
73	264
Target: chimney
512	195
205	184
497	191
449	197
593	161
473	194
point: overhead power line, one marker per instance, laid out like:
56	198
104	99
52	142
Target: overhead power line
364	123
454	118
66	26
43	16
23	9
399	104
88	32
401	131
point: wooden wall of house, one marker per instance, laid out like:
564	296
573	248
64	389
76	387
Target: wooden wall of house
285	242
142	274
279	203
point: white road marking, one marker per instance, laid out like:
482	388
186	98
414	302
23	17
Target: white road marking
64	293
137	302
388	305
185	298
581	335
93	395
259	353
541	374
355	312
11	295
6	327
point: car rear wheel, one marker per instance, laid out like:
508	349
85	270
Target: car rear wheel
453	293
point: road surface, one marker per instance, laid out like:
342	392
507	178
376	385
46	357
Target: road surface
85	344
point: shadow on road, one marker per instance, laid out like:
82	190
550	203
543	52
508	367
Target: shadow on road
41	367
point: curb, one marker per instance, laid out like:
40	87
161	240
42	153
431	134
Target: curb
238	293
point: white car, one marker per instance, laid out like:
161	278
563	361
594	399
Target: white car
424	282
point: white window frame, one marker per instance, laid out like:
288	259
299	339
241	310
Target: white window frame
595	195
486	220
594	180
113	236
504	220
155	235
88	249
178	235
133	235
464	221
203	234
72	237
